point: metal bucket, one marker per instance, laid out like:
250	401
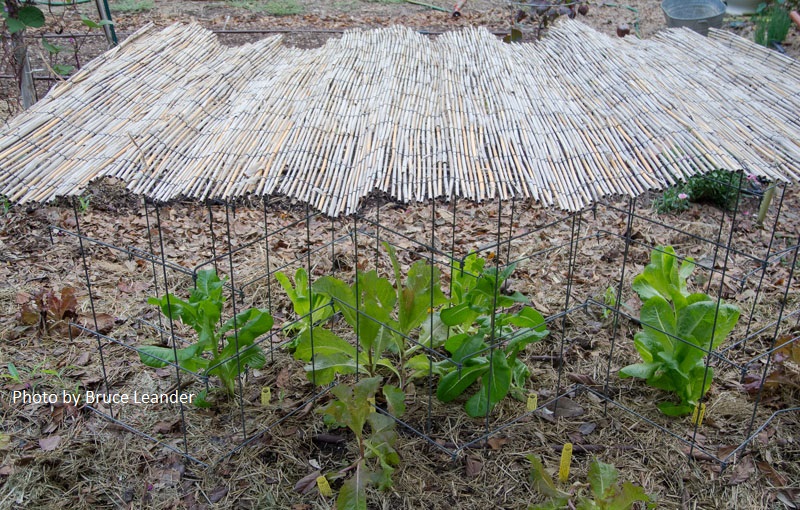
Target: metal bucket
698	15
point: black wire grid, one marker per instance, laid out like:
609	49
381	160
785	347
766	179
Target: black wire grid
285	243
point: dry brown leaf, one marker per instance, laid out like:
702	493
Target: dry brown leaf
165	427
6	470
282	381
565	408
473	466
773	476
82	360
308	483
743	471
495	443
49	443
217	494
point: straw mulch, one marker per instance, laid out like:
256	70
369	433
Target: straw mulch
565	121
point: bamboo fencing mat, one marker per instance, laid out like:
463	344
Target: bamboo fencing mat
577	116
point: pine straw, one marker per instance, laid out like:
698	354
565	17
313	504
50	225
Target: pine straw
100	465
565	122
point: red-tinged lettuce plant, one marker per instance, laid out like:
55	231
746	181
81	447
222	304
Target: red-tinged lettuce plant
203	312
377	458
679	327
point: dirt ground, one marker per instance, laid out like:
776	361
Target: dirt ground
66	456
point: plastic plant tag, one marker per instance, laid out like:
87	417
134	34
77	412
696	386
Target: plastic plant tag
324	487
566	460
371	400
698	414
533	402
266	395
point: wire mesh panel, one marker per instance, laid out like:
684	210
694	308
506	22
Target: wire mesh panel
482	320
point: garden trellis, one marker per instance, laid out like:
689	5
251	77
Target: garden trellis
570	122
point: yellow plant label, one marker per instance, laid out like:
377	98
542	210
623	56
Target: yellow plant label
698	414
324	487
566	460
371	400
266	395
533	402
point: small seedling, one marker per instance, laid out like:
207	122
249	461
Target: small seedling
50	311
605	493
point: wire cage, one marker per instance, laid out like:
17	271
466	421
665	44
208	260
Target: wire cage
576	269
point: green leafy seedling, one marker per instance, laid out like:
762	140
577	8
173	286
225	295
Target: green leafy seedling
678	328
13	373
203	312
605	493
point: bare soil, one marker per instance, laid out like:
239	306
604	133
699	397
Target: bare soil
66	456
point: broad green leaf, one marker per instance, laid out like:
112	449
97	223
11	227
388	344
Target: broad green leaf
543	483
176	309
520	373
325	343
434	328
352	407
324	368
639	370
51	48
62	69
453	384
520	339
630	494
420	365
387	363
466	348
14	25
353	494
395	399
251	356
527	317
671	409
31	16
381	440
152	355
207	316
201	400
421	294
341	293
495	384
296	295
464	277
661	277
208	286
251	324
658	320
95	24
458	314
602	478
